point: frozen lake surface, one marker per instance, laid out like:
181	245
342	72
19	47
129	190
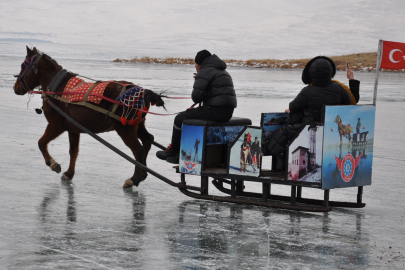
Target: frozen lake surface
92	223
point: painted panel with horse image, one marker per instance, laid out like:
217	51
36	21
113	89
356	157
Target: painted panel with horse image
270	122
245	153
348	146
305	155
191	149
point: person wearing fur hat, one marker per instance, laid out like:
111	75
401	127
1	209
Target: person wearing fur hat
213	90
320	91
296	116
354	85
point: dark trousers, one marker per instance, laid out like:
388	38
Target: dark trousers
216	114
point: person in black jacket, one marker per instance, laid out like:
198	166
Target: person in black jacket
308	104
322	91
214	92
354	85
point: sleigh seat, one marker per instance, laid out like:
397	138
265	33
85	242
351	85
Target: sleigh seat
235	121
215	154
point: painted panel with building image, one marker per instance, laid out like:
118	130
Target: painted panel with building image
305	155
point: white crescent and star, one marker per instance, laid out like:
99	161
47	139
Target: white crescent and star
392	53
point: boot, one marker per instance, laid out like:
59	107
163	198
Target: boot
168	152
173	159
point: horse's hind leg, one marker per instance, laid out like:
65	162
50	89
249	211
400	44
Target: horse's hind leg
146	139
74	139
129	135
51	133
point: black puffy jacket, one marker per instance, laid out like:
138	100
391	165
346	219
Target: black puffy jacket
309	102
322	92
213	85
354	85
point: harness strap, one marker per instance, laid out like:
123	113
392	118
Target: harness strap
86	96
77	86
114	108
88	105
57	80
103	97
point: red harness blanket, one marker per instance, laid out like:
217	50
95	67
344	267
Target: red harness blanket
81	87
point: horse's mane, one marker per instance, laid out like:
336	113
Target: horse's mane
50	59
53	61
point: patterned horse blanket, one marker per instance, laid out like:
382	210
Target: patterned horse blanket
81	87
132	97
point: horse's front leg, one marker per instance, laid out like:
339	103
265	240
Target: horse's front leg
129	135
74	139
146	139
51	133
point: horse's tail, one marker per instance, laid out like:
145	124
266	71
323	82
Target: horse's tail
155	99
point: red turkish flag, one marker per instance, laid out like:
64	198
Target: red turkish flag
393	55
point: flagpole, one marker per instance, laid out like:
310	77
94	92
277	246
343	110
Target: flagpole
379	56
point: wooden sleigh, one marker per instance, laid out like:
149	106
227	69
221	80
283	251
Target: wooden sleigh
316	158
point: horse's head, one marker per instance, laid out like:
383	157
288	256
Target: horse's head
337	119
154	99
33	69
27	79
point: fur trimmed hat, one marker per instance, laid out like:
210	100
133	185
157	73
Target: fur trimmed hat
201	56
306	77
321	72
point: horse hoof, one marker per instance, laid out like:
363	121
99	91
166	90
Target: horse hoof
65	177
56	167
128	183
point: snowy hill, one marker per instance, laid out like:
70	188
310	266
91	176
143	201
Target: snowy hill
236	29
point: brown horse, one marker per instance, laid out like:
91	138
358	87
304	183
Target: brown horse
38	70
344	130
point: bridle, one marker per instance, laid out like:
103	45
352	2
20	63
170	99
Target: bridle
31	64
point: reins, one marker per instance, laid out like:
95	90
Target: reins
31	64
100	96
78	75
